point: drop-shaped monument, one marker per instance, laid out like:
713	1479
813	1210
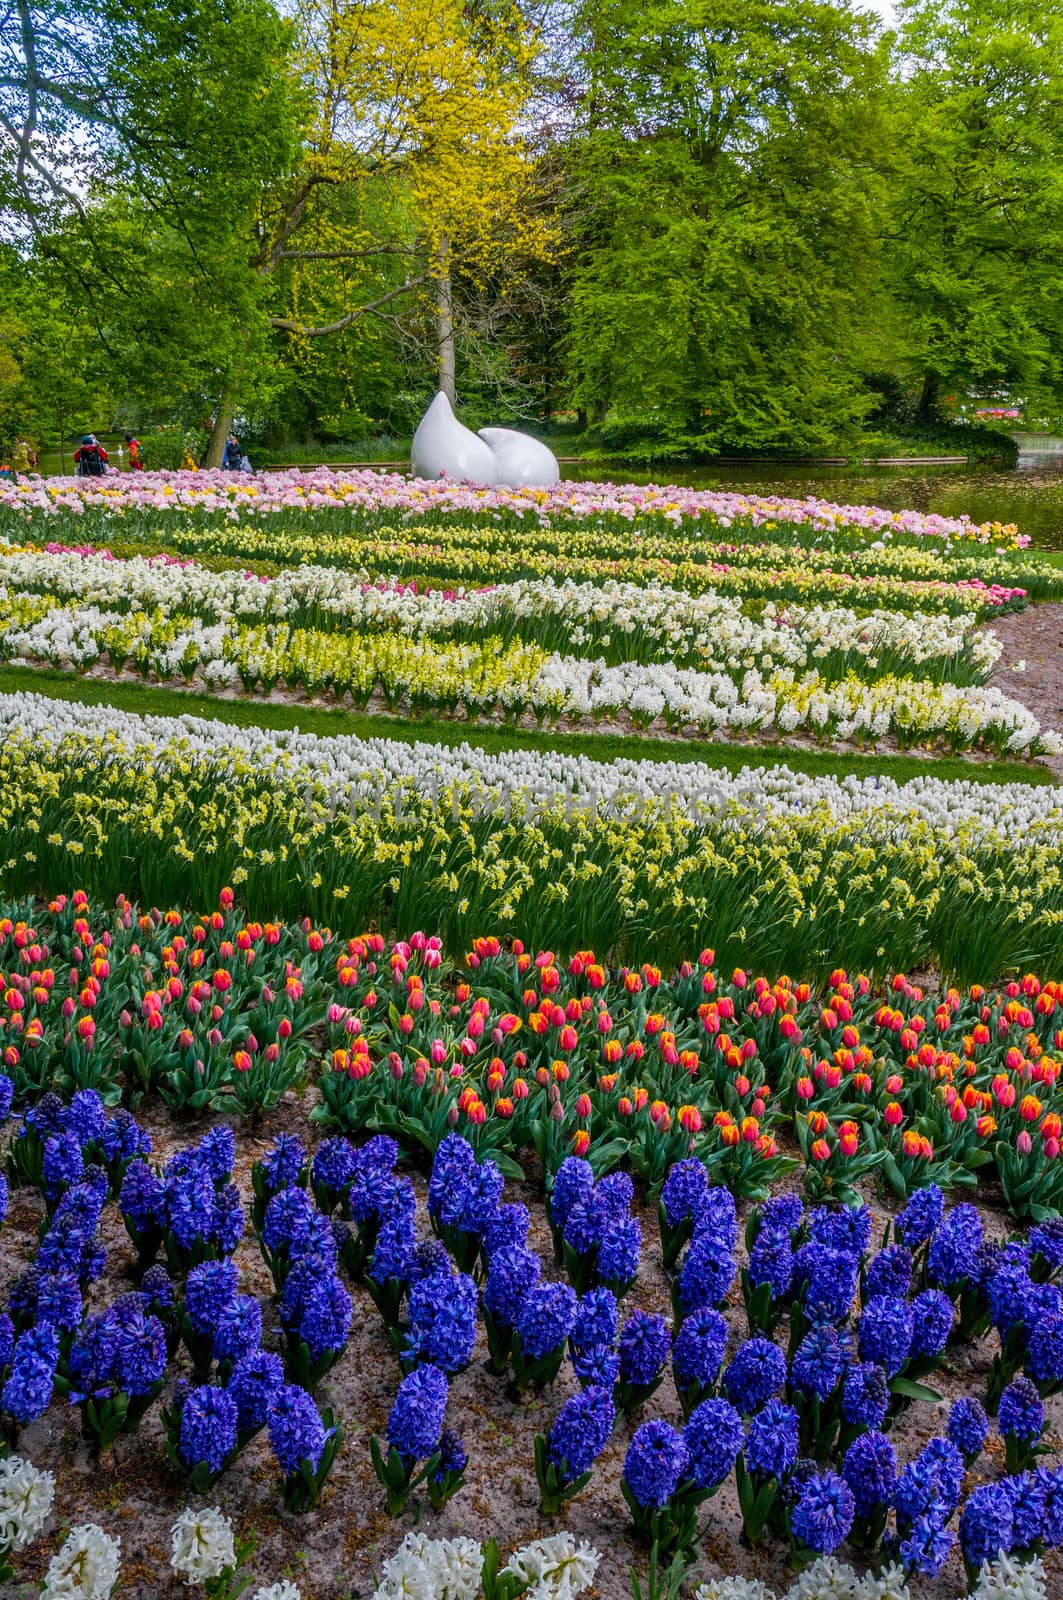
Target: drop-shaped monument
522	459
444	448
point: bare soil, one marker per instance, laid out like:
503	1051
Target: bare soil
1034	636
334	1551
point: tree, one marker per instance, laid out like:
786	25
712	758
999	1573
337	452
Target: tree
726	246
976	230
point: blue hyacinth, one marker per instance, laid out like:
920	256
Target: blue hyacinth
1028	1495
62	1164
1046	1240
931	1485
707	1273
921	1217
698	1351
255	1380
967	1427
282	1165
885	1333
889	1273
847	1229
513	1272
824	1513
953	1253
581	1432
208	1428
238	1332
656	1463
217	1151
139	1354
573	1184
416	1418
771	1261
619	1253
820	1361
333	1166
926	1546
986	1524
546	1319
757	1372
713	1438
597	1319
829	1278
932	1317
1021	1412
782	1214
645	1345
296	1431
210	1289
870	1470
27	1394
443	1321
771	1444
683	1188
865	1395
87	1116
507	1229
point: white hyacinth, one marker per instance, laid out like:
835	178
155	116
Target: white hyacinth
827	1579
86	1568
733	1589
556	1568
1005	1579
26	1496
283	1590
203	1545
432	1569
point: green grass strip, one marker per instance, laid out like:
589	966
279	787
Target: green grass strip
146	699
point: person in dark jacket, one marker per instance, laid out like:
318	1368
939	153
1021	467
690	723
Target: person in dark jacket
90	458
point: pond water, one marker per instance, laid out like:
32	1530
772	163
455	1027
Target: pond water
1030	495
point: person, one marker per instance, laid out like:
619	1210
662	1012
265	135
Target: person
7	474
231	459
135	462
90	458
245	464
23	456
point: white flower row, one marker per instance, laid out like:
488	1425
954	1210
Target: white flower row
521	678
709	628
555	1568
830	1579
353	770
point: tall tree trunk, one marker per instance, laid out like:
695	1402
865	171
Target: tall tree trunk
445	320
928	400
223	422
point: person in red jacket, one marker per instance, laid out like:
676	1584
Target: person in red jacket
90	458
135	462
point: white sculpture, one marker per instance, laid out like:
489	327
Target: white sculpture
444	448
522	459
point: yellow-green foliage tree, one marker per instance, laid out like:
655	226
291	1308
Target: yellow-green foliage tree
414	168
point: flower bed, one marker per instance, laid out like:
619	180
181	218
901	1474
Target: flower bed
790	1371
614	621
651	860
393	495
522	1054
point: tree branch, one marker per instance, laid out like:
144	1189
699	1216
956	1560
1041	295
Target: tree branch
287	325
